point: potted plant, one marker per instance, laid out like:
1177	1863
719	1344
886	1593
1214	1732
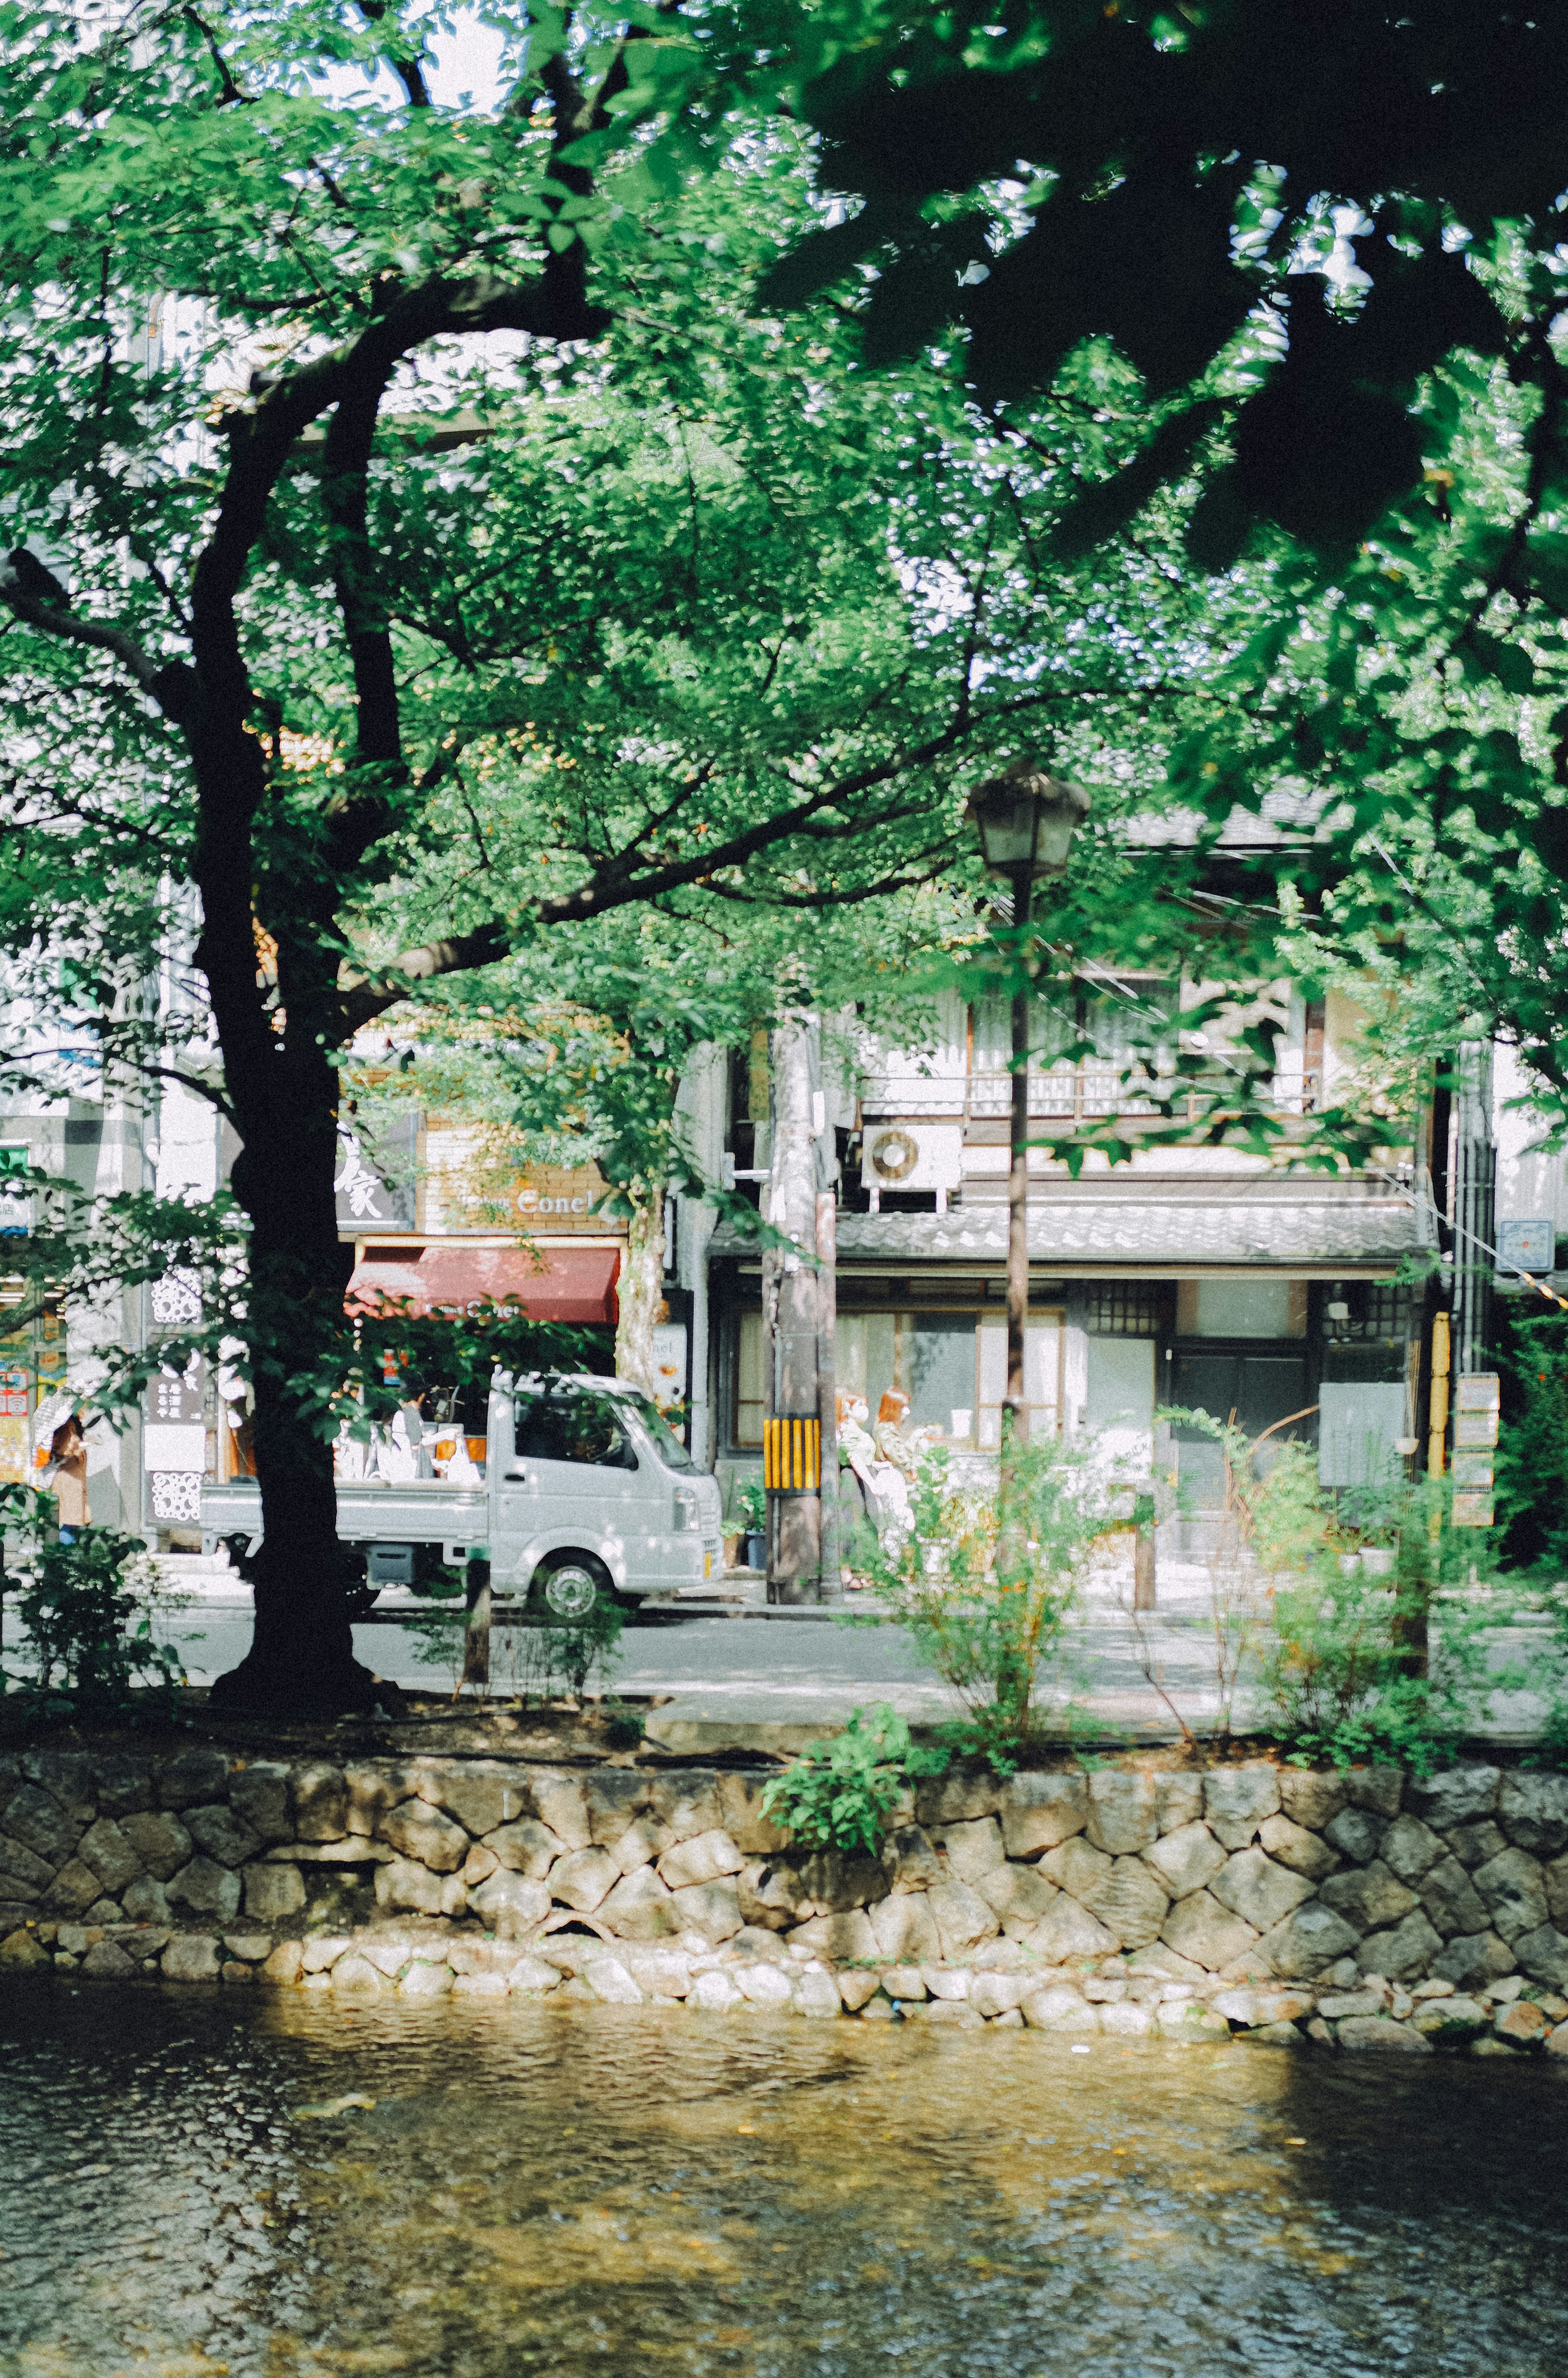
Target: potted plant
751	1503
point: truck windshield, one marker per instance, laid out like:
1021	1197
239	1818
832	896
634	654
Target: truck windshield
666	1444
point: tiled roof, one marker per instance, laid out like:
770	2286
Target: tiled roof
1072	1229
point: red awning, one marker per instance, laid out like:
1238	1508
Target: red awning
572	1284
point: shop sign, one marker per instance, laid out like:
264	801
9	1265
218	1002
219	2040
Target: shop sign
549	1201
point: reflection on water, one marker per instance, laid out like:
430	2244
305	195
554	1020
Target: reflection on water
567	2191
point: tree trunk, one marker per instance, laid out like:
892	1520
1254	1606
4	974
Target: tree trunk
641	1290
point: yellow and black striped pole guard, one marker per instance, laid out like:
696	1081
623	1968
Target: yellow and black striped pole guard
791	1456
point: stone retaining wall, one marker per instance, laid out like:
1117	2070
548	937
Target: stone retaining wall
1372	1908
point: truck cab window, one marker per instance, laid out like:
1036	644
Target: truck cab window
582	1429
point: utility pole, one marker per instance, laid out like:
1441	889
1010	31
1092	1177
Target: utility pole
793	1434
1015	1403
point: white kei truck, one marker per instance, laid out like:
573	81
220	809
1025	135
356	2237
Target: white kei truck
587	1495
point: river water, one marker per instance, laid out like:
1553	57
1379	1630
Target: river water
641	2191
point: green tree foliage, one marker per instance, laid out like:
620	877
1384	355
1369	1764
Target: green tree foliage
1059	171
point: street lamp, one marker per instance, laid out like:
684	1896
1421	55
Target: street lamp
1026	820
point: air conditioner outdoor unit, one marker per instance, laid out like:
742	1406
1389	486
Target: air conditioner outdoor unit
912	1156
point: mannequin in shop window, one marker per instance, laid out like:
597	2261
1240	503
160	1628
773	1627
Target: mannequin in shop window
882	1486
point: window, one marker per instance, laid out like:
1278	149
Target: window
751	1393
1125	1308
1128	1025
580	1429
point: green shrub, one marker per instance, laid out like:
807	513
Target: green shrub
839	1792
985	1583
88	1609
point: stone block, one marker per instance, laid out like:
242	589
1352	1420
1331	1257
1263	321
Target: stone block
467	1955
1159	1962
110	1854
1513	1886
910	1861
509	1904
1312	1796
1376	2036
557	1800
1238	1800
1455	1795
974	1848
701	1857
645	1839
35	1817
479	1797
1253	1887
905	1930
1474	1844
848	1938
1122	1814
351	1850
1369	1898
478	1986
160	1840
1016	1894
320	1802
1410	1848
281	1967
957	1796
426	1981
526	1846
1199	1929
661	1973
832	1881
531	1977
1296	1846
1076	1867
712	1909
956	2015
768	1894
403	1882
1185	1860
354	1977
1543	1954
1356	1834
193	1957
904	1982
962	1916
1039	1813
105	1961
250	1946
22	1953
855	1989
1186	2021
641	1907
370	1790
583	1877
1058	2007
105	1911
946	1981
207	1889
1402	1952
752	1941
613	1796
146	1902
1127	2019
687	1800
740	1798
419	1831
1525	2025
1450	1898
770	1985
25	1873
73	1890
1556	1880
194	1778
274	1893
1179	1800
1130	1901
991	1994
1452	2019
1069	1933
121	1786
220	1834
1557	2041
609	1979
478	1865
1379	1789
1472	1962
1533	1811
258	1796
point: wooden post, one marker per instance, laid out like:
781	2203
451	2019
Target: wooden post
477	1626
826	1388
1143	1578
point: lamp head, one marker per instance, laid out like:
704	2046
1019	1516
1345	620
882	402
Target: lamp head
1027	819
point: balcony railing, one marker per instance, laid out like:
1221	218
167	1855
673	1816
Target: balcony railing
1075	1094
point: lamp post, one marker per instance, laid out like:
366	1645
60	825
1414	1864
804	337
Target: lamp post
1026	820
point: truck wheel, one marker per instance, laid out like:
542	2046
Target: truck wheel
572	1588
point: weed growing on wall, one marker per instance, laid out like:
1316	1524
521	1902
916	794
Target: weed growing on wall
838	1793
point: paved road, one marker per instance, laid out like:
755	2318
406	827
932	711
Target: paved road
750	1670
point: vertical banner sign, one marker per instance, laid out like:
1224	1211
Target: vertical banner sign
173	1442
1477	1405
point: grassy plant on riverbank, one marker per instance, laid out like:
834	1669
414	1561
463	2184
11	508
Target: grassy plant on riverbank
839	1794
91	1606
